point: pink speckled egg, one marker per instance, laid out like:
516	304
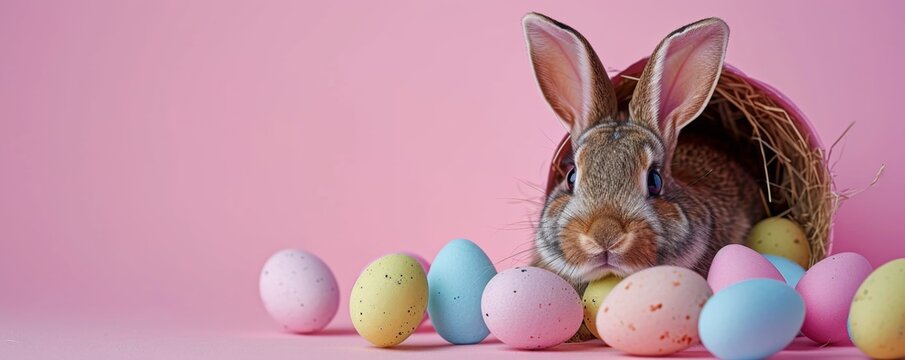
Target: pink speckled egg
654	311
299	291
531	308
828	288
735	263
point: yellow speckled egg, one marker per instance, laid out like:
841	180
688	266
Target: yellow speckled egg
877	317
388	300
781	237
593	297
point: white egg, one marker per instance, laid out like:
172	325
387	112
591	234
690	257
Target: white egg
299	291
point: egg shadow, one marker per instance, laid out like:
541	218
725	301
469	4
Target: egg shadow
418	347
328	332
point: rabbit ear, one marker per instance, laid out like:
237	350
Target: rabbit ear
569	73
680	77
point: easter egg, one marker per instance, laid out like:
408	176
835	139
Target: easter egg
654	311
791	271
592	298
781	237
827	289
388	300
457	279
752	319
426	265
735	263
877	316
531	308
299	291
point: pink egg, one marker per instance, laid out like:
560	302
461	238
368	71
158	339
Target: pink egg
299	291
654	311
531	308
828	288
734	263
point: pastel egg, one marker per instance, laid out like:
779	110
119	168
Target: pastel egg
299	291
457	279
735	263
828	288
752	319
531	308
388	300
654	311
426	265
782	237
593	297
791	271
877	316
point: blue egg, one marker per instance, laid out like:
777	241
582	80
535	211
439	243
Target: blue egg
456	280
789	269
752	319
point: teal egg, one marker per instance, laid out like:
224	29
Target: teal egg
456	280
790	270
752	319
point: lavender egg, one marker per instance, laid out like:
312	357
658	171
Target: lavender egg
299	291
531	308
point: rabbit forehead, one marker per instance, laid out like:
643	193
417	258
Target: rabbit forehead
615	152
612	162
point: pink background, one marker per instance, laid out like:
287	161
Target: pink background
154	154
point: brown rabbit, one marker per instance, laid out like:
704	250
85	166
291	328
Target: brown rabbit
638	195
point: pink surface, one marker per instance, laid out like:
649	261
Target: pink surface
153	155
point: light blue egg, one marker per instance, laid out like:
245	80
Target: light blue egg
789	269
456	280
752	319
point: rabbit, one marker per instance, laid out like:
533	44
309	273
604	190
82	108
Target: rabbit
638	195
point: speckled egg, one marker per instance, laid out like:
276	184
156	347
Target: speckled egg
791	271
654	311
735	263
426	265
877	316
299	291
457	279
593	296
388	300
752	319
827	289
782	237
531	308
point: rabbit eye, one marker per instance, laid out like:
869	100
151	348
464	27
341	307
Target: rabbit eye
654	182
570	179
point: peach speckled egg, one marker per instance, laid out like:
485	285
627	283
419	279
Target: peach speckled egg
299	291
531	308
654	311
735	263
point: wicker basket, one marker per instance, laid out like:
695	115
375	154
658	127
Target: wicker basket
796	182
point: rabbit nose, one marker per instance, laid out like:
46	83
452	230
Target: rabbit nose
607	232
